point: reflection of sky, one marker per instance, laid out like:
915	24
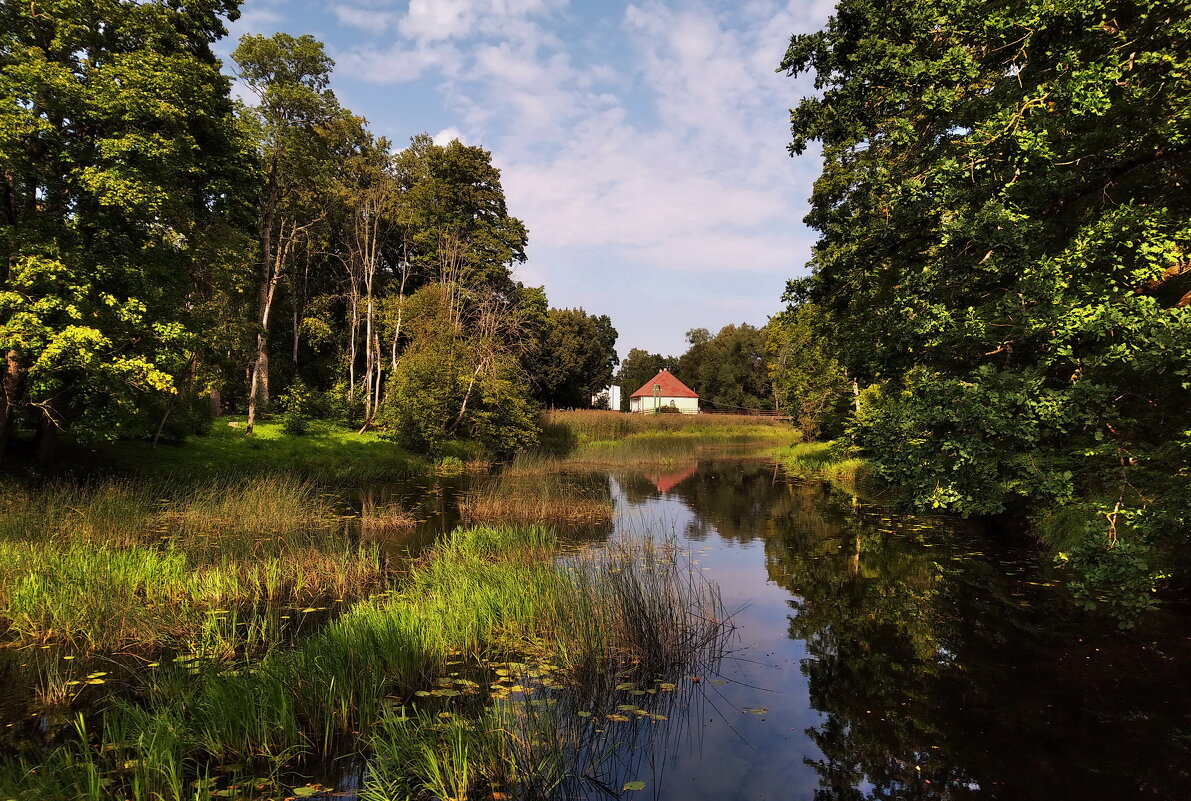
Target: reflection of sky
735	754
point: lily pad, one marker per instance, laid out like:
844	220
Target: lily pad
633	786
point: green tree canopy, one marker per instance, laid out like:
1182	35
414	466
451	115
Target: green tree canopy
117	152
728	370
575	358
1004	247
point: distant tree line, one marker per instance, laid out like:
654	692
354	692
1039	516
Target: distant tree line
169	253
1004	267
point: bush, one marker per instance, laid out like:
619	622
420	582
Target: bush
296	403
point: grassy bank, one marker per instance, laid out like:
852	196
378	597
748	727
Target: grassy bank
610	439
829	461
327	452
491	623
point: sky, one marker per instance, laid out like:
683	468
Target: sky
643	144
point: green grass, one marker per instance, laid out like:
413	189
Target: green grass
125	565
487	593
327	451
825	460
594	439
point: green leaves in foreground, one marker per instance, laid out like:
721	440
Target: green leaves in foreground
1005	253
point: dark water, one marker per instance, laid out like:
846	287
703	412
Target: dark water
898	657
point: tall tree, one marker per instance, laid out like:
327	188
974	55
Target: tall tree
809	385
117	150
728	370
575	358
1004	251
290	77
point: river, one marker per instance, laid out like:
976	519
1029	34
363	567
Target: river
891	656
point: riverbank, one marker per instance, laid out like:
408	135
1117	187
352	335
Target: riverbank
598	439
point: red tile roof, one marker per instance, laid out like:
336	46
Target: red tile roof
671	387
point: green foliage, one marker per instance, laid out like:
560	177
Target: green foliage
808	382
118	157
297	403
1004	252
574	359
728	370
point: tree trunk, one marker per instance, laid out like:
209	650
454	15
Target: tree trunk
45	439
10	397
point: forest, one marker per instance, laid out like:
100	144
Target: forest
171	254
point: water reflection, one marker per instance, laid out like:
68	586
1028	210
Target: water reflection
908	657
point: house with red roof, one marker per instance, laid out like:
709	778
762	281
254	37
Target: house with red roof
662	391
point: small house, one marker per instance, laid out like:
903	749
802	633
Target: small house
664	391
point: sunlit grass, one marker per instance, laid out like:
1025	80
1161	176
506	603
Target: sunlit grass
826	460
486	593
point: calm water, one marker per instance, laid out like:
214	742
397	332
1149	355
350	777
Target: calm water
896	657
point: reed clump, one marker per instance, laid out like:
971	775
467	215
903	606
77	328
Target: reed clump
385	519
831	461
121	565
552	500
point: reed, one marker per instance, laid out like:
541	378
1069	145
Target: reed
385	519
486	593
546	500
594	425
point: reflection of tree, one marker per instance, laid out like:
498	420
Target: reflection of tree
943	674
740	500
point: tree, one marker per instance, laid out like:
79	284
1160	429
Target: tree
728	370
1003	250
117	153
574	359
808	383
290	77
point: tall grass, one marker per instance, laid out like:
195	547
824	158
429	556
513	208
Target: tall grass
594	425
487	593
547	499
122	565
826	460
611	439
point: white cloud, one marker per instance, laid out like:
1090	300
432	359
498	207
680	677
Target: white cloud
366	19
655	138
448	135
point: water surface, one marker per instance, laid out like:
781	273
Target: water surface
892	656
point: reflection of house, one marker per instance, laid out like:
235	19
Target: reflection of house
661	391
668	481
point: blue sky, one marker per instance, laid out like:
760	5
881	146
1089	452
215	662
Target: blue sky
642	143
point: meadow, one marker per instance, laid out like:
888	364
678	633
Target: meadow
602	439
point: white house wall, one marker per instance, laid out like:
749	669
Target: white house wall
648	404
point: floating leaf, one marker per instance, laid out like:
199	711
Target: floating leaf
583	713
628	685
756	710
633	786
617	718
310	789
